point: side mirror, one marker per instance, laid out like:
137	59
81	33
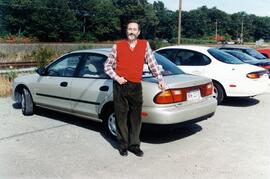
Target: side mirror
41	71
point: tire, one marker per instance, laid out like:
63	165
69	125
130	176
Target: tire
218	92
27	103
109	122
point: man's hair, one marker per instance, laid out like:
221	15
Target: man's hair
134	21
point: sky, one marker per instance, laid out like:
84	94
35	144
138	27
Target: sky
257	7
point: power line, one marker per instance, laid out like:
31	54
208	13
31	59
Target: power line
17	6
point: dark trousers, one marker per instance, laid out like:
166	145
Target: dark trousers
128	107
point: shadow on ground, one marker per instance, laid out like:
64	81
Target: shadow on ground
163	134
240	102
155	134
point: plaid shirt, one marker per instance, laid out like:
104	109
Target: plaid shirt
110	64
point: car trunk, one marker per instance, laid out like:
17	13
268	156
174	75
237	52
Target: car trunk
150	86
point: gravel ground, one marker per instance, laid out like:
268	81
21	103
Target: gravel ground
233	144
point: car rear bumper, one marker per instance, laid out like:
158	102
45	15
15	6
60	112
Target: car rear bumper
247	88
180	113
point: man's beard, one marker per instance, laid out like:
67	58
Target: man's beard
132	36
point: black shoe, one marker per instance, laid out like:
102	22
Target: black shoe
123	152
136	150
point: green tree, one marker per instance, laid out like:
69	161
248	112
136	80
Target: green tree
54	20
139	10
262	28
167	21
16	15
103	21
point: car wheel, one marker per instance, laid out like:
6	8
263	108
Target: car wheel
27	102
109	122
218	92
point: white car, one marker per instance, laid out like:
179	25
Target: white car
77	84
231	77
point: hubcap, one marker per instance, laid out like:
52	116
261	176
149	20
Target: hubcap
112	124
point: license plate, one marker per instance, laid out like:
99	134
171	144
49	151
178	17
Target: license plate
193	95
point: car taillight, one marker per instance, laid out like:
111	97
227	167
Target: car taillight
179	95
207	89
253	75
170	96
257	74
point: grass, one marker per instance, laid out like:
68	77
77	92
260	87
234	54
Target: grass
5	86
24	52
6	81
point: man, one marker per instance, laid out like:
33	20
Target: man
125	66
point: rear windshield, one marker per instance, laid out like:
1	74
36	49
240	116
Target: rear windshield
242	56
166	67
255	54
224	57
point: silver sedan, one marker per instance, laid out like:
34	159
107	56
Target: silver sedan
76	84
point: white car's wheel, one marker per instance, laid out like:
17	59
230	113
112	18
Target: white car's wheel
27	102
218	92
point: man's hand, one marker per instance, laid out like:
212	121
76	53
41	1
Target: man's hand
121	80
162	85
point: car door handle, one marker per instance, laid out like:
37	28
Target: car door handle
64	84
104	88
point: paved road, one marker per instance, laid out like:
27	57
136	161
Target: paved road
234	143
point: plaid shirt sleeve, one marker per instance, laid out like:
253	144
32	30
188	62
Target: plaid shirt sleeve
109	65
152	63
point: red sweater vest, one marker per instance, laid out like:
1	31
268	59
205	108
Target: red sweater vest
129	64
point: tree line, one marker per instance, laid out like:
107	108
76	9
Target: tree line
105	20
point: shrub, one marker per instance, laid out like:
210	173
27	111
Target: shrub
196	41
11	74
43	56
156	44
84	46
3	55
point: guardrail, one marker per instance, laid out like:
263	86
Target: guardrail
5	65
21	70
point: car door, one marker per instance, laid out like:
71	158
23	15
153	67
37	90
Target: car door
53	88
92	86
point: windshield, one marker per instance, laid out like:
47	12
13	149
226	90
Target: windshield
165	66
224	57
255	54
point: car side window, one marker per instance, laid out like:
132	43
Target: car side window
64	67
93	66
169	53
191	58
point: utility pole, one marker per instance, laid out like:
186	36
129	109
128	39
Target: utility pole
216	36
84	21
242	31
179	22
84	15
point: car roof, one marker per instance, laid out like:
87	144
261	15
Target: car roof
104	51
192	47
187	47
